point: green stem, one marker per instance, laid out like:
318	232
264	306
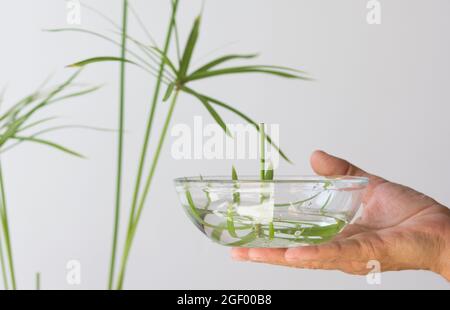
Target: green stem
120	146
262	145
2	261
38	281
5	227
132	229
2	256
147	134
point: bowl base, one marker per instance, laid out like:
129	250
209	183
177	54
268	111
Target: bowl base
303	230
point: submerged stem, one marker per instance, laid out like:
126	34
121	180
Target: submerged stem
120	146
262	145
133	227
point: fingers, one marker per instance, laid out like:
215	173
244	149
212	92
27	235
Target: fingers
328	165
270	256
344	255
239	254
325	164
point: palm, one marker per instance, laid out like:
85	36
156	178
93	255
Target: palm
395	214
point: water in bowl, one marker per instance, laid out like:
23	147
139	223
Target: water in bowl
284	213
265	224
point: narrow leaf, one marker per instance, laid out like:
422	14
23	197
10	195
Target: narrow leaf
215	115
245	69
240	114
221	60
230	222
99	59
77	94
49	143
189	49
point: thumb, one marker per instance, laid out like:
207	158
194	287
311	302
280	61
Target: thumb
328	165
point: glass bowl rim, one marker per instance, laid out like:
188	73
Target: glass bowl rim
346	180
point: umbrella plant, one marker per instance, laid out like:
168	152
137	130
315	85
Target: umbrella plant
20	123
173	77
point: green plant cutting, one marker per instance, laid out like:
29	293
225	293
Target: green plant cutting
258	219
20	123
173	77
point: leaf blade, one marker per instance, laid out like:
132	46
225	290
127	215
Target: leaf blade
240	114
245	70
189	49
92	60
214	114
222	60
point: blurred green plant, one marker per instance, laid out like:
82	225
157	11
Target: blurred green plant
21	123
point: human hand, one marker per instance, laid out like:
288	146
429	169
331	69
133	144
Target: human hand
399	227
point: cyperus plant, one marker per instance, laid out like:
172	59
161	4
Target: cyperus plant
21	123
176	75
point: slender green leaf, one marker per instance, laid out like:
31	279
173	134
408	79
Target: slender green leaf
222	60
215	115
100	59
230	222
240	114
244	240
77	94
148	67
244	69
48	143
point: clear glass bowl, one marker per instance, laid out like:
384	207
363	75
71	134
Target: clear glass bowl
286	212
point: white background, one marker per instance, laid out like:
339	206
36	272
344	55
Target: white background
381	100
